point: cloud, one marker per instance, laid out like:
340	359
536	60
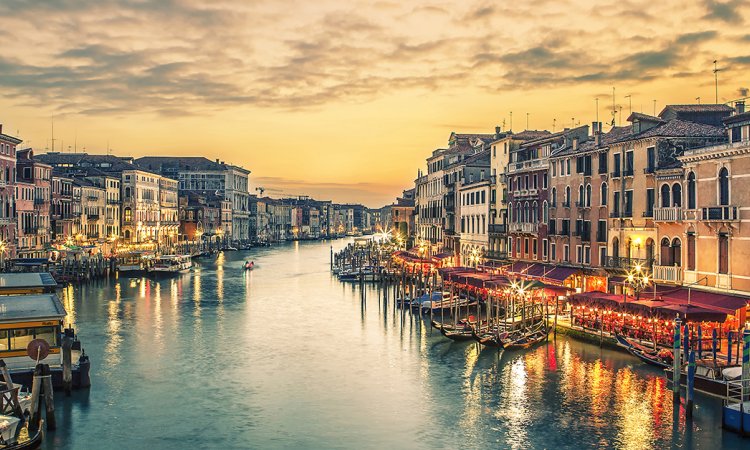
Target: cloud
371	194
724	11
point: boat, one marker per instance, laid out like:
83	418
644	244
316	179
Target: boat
134	262
524	338
461	331
15	437
711	376
249	265
39	317
229	248
660	358
171	264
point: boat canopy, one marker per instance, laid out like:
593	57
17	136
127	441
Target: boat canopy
16	308
12	283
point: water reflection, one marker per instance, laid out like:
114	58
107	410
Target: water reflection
285	356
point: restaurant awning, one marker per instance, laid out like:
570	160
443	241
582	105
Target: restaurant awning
715	301
443	255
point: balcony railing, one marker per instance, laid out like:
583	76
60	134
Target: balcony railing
523	228
670	214
720	213
627	172
39	201
497	228
3	183
667	273
649	170
527	165
619	262
581	204
496	255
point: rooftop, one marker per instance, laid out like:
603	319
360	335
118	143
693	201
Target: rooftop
14	308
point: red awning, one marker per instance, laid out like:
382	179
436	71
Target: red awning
715	301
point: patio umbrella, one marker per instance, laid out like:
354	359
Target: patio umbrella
713	344
700	342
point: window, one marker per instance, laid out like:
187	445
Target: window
616	172
554	169
676	252
724	186
665	194
604	194
650	160
650	202
534	247
602	256
553	251
526	246
580	195
602	163
554	197
628	203
544	182
588	195
566	253
677	194
691	191
586	254
723	253
567	197
545	212
127	215
665	253
545	249
629	163
20	338
601	231
567	164
691	251
616	204
579	254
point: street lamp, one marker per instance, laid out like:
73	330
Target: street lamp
638	279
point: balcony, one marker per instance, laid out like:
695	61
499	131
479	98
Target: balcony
582	205
5	220
627	172
667	273
497	228
649	170
3	183
672	214
528	228
615	174
618	262
498	256
720	214
39	201
527	165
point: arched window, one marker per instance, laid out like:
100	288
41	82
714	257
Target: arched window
127	214
691	191
127	192
580	195
510	212
676	252
649	249
615	248
519	212
535	212
691	251
604	193
545	212
723	253
526	212
664	252
567	195
677	194
554	197
588	195
723	186
665	194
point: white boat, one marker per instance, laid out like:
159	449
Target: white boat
132	262
167	264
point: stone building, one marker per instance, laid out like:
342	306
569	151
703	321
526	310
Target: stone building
8	195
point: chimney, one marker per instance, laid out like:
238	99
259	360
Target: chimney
217	160
594	128
738	106
575	143
498	130
1	128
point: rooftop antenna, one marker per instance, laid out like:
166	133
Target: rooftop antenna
52	121
554	121
654	107
698	99
527	121
614	108
597	109
630	103
716	80
511	121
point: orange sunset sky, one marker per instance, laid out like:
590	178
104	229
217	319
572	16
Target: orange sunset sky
343	100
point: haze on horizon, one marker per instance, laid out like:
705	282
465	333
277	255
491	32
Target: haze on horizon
344	100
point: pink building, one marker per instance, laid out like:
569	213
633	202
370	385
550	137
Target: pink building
35	229
7	195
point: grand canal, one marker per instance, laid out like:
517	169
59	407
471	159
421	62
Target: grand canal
287	356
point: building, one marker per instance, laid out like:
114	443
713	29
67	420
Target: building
402	216
644	171
501	149
8	195
200	175
707	223
34	180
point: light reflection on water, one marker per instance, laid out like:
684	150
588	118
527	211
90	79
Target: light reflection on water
286	356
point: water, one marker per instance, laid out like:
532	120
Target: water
286	356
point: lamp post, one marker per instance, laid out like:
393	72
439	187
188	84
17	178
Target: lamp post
3	249
638	279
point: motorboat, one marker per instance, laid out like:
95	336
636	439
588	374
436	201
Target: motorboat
171	264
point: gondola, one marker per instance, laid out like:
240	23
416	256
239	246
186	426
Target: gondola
524	339
249	265
487	338
461	332
662	358
34	439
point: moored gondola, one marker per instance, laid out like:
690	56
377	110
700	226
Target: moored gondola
659	358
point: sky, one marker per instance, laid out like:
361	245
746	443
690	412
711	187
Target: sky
344	100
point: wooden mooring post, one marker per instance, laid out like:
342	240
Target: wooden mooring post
67	347
41	389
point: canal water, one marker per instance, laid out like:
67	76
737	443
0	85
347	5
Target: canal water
286	356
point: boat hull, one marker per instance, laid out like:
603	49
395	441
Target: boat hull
717	388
